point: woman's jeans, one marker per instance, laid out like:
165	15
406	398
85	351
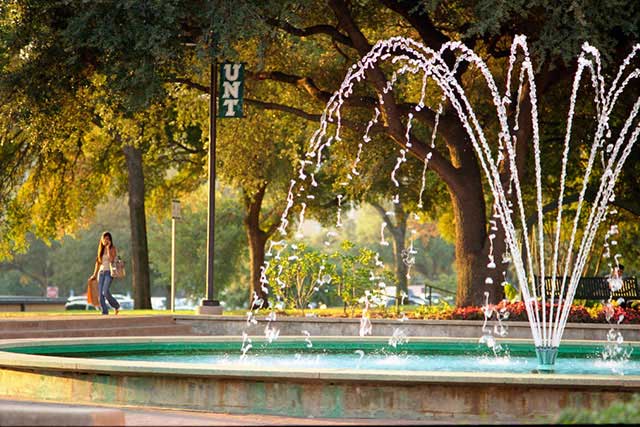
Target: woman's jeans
104	282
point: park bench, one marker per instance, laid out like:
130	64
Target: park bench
31	303
595	288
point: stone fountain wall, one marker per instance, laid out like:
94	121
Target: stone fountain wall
315	326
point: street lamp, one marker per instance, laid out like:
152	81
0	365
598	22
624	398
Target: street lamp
209	305
175	214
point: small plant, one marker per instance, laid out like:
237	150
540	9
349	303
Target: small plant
442	311
360	273
296	278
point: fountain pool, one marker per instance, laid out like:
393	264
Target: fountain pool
329	353
416	380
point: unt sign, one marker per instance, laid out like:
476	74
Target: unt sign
231	90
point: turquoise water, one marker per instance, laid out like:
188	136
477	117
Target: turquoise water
411	356
382	361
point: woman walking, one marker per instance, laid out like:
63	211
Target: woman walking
106	255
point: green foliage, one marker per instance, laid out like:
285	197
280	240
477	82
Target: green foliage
299	276
558	29
191	249
618	412
511	293
358	276
68	262
105	73
441	311
99	71
306	274
362	224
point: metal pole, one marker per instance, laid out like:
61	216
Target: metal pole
209	304
211	219
173	264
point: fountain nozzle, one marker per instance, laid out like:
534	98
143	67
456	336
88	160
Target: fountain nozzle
546	358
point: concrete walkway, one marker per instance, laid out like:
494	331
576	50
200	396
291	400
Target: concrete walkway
29	413
93	325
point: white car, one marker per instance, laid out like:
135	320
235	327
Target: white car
80	303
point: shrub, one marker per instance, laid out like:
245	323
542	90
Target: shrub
358	276
467	313
298	277
442	311
616	413
517	312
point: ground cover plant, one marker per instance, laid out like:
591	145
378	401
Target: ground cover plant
618	412
578	314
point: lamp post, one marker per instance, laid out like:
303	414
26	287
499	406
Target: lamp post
209	305
175	214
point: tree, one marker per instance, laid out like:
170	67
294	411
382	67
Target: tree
131	54
307	48
75	63
68	262
556	33
230	252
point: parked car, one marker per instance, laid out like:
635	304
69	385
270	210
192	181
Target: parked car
159	303
126	302
79	302
409	300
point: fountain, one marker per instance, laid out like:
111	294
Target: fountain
547	309
112	370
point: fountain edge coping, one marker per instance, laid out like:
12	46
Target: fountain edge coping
113	367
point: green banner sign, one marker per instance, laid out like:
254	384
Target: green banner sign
230	90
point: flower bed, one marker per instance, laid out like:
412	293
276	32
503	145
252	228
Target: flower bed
517	311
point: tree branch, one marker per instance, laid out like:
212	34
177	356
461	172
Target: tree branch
589	196
304	83
419	20
189	83
313	30
301	113
392	112
383	214
309	86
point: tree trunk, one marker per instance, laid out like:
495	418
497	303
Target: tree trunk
472	249
257	239
139	249
398	231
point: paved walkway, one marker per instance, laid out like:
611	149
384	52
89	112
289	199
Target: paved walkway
29	413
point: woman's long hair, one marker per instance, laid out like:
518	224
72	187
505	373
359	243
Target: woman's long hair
101	247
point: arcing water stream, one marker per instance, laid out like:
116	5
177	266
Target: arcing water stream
547	309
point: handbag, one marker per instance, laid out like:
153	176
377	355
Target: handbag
92	292
117	268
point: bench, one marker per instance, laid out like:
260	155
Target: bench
595	288
29	303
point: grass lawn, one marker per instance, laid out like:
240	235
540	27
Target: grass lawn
326	312
387	312
91	313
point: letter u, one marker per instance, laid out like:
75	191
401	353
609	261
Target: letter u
228	71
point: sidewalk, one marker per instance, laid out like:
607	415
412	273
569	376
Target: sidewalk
28	413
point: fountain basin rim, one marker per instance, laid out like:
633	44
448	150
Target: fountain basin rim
20	361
